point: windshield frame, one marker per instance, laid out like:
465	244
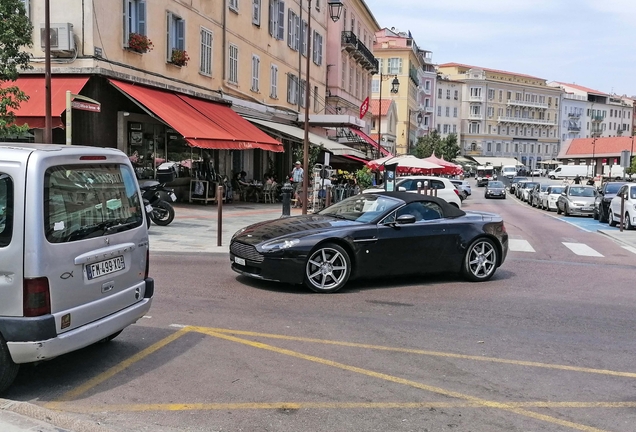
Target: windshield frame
337	210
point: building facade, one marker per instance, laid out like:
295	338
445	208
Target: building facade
384	117
448	109
506	114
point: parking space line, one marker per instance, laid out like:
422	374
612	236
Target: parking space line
424	352
518	245
76	392
582	249
438	390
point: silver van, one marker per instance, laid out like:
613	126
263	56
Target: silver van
73	251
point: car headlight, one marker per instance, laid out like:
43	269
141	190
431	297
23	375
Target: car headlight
279	244
239	232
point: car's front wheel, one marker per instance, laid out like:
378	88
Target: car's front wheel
480	261
328	268
8	369
610	218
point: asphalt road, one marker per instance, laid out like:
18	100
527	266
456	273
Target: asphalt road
547	345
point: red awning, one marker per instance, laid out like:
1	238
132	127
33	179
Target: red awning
33	111
374	144
202	123
355	158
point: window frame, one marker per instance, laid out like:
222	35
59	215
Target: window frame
204	46
175	34
256	12
256	73
6	234
233	74
233	5
273	81
141	26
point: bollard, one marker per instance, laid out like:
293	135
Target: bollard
328	196
419	187
219	217
286	190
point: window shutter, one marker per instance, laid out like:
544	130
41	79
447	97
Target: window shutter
399	66
281	20
141	17
125	27
303	37
297	32
289	88
169	43
181	34
319	48
256	12
290	27
272	14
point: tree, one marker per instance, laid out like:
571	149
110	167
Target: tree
15	34
450	148
631	169
433	143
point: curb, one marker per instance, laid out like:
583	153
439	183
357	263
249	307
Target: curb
62	421
609	234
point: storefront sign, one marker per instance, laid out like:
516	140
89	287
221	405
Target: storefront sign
86	106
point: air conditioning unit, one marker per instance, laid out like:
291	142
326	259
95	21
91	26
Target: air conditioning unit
61	37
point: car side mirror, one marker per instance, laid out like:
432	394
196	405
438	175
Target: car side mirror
401	189
405	219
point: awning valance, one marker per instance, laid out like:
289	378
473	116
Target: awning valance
33	111
330	146
202	123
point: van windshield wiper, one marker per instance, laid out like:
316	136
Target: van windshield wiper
106	227
120	226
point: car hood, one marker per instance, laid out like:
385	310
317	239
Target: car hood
582	200
296	226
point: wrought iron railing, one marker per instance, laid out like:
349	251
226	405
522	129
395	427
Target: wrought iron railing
349	39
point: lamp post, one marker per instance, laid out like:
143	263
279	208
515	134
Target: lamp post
395	87
335	8
418	119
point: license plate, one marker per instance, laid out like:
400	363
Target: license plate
587	209
105	267
173	197
148	208
239	261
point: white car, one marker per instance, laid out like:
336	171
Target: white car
549	200
445	189
629	192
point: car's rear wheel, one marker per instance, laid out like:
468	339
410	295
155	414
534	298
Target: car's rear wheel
603	214
558	209
628	222
480	261
610	218
328	268
8	369
566	210
595	214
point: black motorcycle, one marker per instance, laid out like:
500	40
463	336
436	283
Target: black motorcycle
158	195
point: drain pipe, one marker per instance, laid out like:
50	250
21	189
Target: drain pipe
224	40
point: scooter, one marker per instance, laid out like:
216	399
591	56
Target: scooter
158	195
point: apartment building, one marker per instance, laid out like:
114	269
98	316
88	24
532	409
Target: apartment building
400	57
167	73
506	114
448	107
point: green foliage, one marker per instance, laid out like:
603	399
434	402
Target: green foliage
632	168
364	178
314	152
15	33
433	143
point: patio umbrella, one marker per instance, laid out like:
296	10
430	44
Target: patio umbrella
448	167
407	163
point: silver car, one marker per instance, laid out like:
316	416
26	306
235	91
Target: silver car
577	200
495	189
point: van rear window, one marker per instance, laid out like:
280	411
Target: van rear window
6	210
85	201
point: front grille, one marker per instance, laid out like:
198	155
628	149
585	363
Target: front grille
248	252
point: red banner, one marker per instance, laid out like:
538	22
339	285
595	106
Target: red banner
364	107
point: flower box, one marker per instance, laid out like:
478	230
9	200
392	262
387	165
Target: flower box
139	43
179	57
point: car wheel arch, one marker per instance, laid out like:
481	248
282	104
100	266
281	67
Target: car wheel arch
343	244
492	238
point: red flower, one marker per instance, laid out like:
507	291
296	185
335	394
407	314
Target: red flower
179	57
139	43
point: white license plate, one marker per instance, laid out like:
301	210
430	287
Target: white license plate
587	209
173	197
148	208
239	261
105	267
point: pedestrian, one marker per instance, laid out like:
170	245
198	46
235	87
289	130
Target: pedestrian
297	175
577	180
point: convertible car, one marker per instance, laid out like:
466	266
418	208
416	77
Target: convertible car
371	235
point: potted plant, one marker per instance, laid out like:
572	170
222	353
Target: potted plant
139	43
179	57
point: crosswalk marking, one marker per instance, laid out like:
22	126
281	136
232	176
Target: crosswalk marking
518	245
582	249
630	248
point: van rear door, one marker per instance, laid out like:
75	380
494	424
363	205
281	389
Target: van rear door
92	244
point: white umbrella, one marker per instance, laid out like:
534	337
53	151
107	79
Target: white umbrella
410	161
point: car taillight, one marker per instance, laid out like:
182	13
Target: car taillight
147	272
456	192
36	297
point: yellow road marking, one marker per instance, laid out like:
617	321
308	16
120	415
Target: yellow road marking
433	389
421	352
74	407
75	393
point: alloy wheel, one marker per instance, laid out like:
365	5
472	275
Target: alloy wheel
481	260
327	269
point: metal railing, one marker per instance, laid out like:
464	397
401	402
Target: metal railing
528	104
526	120
351	42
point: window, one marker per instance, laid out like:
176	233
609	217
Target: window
317	48
448	93
292	89
134	17
473	128
303	37
439	111
234	5
475	92
293	30
498	147
277	19
303	85
454	128
317	5
455	112
394	66
447	111
28	11
6	210
206	52
445	128
500	95
375	86
475	110
456	96
350	79
423	211
273	82
176	34
491	111
233	64
256	12
427	85
489	147
344	73
256	71
316	102
357	83
439	93
491	94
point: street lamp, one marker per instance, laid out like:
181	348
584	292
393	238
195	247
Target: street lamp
395	87
335	8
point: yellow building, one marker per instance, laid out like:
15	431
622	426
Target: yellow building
506	114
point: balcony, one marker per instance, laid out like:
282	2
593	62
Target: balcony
472	153
540	122
520	103
359	51
473	116
574	115
413	76
597	118
429	110
573	128
475	99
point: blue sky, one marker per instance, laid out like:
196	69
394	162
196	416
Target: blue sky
587	42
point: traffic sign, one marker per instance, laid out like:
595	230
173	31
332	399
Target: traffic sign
364	107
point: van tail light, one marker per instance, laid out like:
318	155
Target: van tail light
147	264
36	297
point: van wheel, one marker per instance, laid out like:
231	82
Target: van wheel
8	369
111	337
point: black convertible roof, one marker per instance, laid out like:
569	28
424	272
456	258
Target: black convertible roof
408	197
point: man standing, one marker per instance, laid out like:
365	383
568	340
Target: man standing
297	183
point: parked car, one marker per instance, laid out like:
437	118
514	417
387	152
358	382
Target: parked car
605	194
495	189
524	192
463	185
74	252
519	187
372	235
552	194
536	172
537	194
629	207
445	189
514	182
577	200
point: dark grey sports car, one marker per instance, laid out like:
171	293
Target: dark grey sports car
368	236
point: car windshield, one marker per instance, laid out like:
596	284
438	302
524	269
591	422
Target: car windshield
362	208
632	192
495	184
556	190
581	192
544	188
612	188
518	179
529	185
